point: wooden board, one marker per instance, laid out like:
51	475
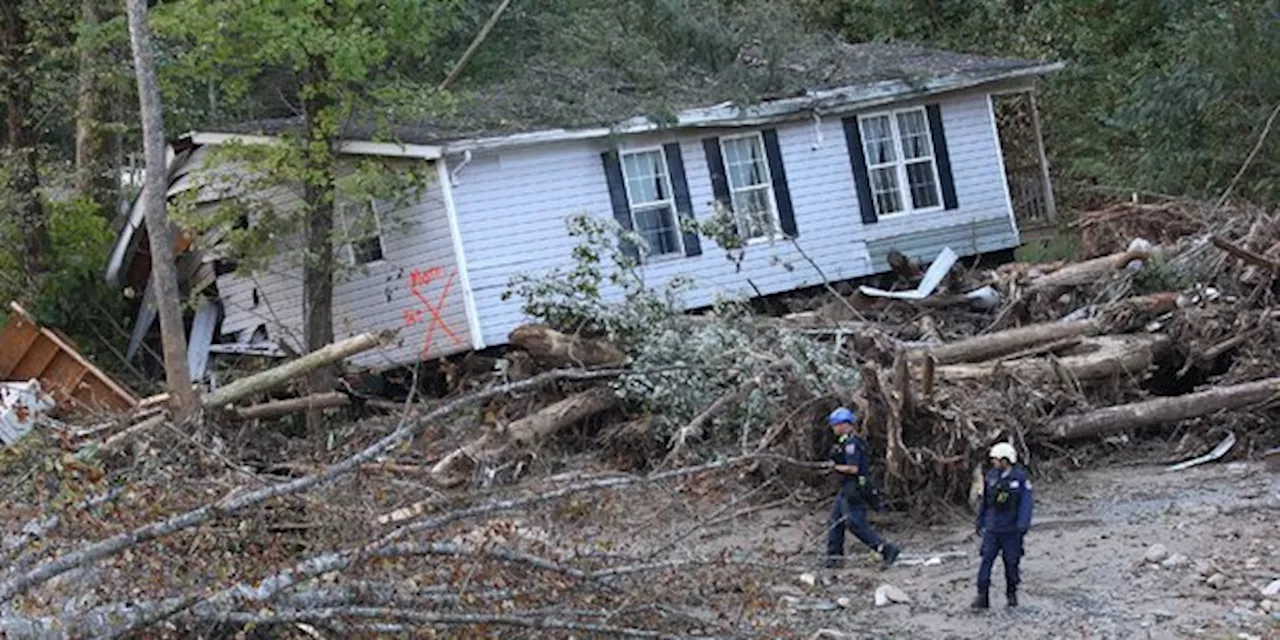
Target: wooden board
28	351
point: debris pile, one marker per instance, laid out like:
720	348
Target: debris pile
471	510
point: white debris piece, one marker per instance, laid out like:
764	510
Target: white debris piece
887	594
1272	589
932	278
21	405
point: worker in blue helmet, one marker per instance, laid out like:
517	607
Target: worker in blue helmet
851	459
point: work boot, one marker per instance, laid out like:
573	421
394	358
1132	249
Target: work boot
983	601
890	553
1011	596
832	562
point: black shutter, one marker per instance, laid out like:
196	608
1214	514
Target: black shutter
715	166
782	194
941	157
618	198
861	181
680	191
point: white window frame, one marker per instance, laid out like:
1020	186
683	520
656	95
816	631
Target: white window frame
346	228
775	232
669	202
904	184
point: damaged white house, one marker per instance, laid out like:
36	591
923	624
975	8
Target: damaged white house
900	149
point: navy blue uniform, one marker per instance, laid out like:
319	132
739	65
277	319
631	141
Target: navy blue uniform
850	508
1003	520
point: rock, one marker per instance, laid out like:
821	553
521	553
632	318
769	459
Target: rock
1272	590
1162	615
1217	581
808	579
1175	561
1267	605
1205	568
844	603
1156	554
888	594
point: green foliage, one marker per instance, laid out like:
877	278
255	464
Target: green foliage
615	304
605	295
1063	245
73	296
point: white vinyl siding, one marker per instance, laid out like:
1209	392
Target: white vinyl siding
900	162
750	186
653	213
363	232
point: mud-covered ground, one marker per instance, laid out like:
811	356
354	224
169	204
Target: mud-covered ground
1084	574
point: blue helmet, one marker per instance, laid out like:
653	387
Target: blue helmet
841	415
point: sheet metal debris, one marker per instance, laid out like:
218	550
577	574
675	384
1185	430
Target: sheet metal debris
22	404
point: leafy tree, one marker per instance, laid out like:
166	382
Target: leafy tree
335	64
20	159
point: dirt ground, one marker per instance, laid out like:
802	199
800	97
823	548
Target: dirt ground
1084	574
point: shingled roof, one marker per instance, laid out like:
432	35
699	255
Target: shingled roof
547	97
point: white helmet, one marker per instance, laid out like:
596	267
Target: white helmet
1004	450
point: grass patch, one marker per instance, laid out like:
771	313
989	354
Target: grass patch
1060	246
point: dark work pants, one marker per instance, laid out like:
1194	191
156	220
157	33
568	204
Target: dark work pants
1008	545
847	513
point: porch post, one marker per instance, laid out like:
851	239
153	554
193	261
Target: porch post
1050	209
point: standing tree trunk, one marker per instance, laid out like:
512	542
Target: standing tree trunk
319	185
24	180
95	177
163	272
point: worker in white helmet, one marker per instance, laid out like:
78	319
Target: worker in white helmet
1003	520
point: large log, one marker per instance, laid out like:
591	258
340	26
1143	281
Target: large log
1106	356
1162	410
991	345
558	349
277	376
453	468
1089	271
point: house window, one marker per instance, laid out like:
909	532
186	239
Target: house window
750	185
363	230
653	213
900	162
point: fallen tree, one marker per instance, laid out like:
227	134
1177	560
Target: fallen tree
277	376
454	468
1162	410
1098	357
557	349
991	345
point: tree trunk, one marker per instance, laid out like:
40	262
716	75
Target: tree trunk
163	272
1087	272
24	178
95	171
318	160
1162	410
452	469
992	345
276	376
550	347
1102	357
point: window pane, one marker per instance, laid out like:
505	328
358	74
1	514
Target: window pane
877	140
646	175
884	190
367	250
923	185
658	227
915	135
754	213
745	161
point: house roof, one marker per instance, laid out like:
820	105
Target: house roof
548	98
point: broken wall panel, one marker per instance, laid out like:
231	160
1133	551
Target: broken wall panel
415	288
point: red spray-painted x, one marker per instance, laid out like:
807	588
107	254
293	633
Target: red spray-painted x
419	282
